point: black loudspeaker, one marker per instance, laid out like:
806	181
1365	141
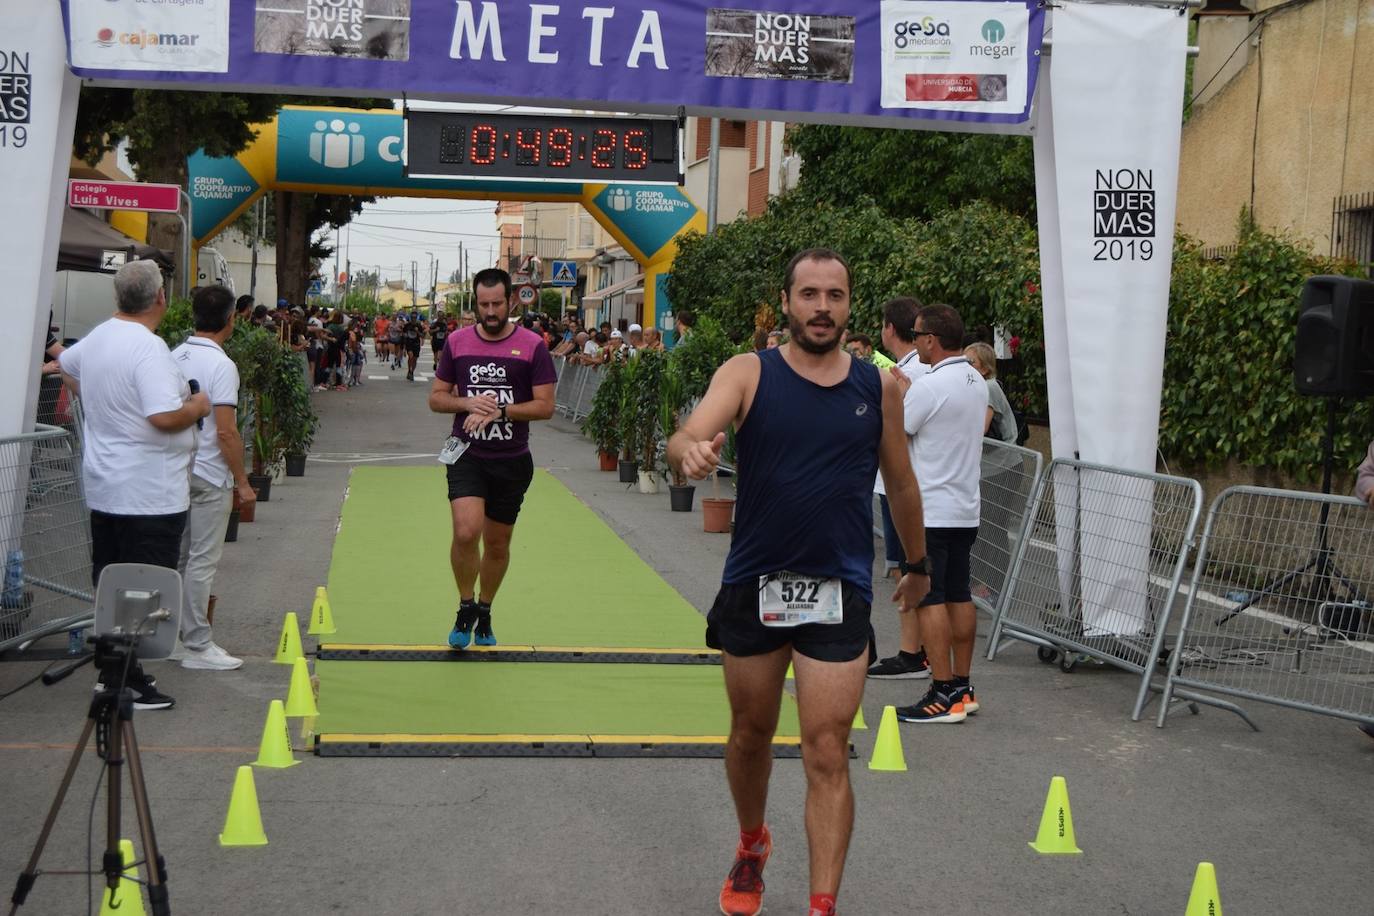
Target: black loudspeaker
1334	346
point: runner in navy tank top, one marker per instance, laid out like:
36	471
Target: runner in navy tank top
813	426
496	377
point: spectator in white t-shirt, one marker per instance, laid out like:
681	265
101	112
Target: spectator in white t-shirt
217	471
139	413
899	339
945	409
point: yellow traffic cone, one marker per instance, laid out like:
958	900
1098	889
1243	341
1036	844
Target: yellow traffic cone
859	722
243	823
289	645
1205	899
887	750
127	898
321	617
1056	823
300	700
275	749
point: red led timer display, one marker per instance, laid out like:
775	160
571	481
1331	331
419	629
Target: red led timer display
572	148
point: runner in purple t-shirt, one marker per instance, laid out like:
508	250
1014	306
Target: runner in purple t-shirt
496	377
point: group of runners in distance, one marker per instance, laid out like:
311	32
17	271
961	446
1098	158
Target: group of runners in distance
815	425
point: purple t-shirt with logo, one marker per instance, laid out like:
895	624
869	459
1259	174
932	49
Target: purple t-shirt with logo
508	368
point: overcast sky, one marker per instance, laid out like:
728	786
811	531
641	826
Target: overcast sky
395	231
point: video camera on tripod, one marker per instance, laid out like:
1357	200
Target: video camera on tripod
128	598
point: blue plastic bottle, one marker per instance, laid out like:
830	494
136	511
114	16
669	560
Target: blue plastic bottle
13	594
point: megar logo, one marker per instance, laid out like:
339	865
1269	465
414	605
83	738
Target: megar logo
995	37
336	144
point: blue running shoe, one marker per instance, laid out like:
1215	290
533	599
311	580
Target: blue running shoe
461	635
482	635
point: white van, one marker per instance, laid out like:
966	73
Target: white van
211	268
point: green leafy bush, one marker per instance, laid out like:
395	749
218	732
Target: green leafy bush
1228	378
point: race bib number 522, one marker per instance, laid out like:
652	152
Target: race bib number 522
789	600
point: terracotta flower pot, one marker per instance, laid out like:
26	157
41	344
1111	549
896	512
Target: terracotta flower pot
608	460
716	514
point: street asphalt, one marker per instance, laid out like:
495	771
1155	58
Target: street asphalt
1285	813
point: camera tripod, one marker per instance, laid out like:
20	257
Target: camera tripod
111	718
1326	574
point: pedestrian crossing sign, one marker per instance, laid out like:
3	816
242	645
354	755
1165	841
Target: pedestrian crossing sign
564	273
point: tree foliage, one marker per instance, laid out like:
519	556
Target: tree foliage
1228	376
914	173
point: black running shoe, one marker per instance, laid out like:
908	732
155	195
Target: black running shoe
902	667
482	634
461	635
145	694
935	706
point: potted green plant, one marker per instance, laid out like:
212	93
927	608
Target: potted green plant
602	423
296	419
267	445
717	511
255	352
629	464
649	367
670	404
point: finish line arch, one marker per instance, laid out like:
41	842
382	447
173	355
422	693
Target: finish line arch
327	150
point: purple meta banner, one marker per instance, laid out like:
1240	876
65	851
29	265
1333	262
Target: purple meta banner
944	64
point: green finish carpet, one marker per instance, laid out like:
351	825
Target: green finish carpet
571	582
390	583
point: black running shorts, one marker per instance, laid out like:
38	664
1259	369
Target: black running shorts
949	550
733	626
502	482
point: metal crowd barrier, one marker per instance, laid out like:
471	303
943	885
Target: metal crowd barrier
1279	608
1097	574
1007	481
577	384
591	381
1007	478
45	541
565	392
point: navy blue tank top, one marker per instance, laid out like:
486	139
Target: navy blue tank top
808	456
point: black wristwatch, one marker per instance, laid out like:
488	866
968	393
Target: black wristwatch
921	567
503	412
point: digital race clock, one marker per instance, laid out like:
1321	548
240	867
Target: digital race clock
453	144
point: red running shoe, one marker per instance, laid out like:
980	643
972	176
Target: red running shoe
742	892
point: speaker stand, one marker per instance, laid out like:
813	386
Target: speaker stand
1326	574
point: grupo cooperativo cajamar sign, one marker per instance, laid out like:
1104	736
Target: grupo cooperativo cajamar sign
891	63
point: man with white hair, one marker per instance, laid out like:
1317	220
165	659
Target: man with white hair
138	418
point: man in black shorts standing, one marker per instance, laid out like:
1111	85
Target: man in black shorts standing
814	425
495	377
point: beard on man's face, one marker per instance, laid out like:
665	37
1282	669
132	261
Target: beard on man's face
821	324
